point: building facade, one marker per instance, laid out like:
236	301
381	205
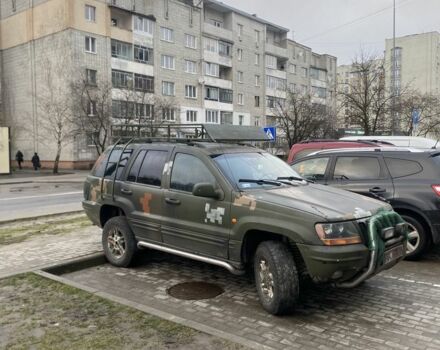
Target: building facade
216	63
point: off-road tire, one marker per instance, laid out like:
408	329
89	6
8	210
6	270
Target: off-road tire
282	267
424	237
120	224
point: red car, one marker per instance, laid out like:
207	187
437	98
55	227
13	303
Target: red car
304	148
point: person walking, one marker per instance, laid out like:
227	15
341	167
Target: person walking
36	161
19	158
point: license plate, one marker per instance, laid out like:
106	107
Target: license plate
393	254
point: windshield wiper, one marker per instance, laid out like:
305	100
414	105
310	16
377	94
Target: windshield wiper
294	178
261	182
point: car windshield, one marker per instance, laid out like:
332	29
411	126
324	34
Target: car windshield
259	169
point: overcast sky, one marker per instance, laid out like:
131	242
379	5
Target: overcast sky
314	22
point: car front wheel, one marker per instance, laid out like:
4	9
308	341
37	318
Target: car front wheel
118	242
418	238
276	277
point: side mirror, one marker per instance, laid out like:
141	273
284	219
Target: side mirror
207	190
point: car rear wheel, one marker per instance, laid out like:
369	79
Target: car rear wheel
118	242
276	277
418	238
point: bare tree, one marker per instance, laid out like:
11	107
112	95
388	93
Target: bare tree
365	95
299	118
94	115
427	108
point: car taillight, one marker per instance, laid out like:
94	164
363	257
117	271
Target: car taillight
436	189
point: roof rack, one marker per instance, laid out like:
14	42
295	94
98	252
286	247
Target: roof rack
367	142
185	133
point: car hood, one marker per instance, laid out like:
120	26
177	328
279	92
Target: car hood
330	203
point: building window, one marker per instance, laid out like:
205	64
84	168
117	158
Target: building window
122	79
240	119
271	62
304	72
257	101
190	67
211	93
144	83
121	50
212	69
167	62
91	108
240	29
216	23
143	54
210	45
167	34
292	87
90	44
319	92
240	99
226	96
114	22
190	91
191	116
14	5
257	121
90	13
240	54
168	88
293	68
91	76
275	83
226	118
240	76
257	80
143	25
318	74
190	41
169	114
257	59
257	36
224	49
211	117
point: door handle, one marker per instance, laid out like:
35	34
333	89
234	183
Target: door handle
127	192
377	190
172	201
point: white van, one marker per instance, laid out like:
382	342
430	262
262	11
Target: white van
399	141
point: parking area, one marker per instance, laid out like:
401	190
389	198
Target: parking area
399	308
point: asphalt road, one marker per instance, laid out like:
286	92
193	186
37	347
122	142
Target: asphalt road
34	199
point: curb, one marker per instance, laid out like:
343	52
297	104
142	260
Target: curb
45	216
141	307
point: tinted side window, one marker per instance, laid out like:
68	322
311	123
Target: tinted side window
313	169
100	165
134	171
152	168
402	167
188	171
357	168
305	152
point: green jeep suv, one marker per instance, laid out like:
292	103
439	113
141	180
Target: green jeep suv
239	207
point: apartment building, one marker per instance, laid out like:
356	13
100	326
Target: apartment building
417	63
216	63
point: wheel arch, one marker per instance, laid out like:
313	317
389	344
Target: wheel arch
109	211
418	215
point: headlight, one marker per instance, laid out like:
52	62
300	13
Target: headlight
338	233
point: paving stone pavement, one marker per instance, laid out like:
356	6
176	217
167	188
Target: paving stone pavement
42	250
399	308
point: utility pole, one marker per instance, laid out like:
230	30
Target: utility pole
393	101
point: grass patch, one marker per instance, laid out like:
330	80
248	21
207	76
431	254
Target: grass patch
15	233
39	313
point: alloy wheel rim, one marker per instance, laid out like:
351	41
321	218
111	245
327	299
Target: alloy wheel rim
413	239
266	279
116	243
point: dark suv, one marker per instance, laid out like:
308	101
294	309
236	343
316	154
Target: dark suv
408	179
236	206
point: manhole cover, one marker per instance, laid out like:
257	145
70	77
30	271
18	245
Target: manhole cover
195	291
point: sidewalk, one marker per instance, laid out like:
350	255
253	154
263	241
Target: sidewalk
43	176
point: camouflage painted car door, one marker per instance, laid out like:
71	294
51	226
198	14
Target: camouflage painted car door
195	223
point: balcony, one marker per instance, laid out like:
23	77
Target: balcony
220	106
121	34
217	58
281	74
277	50
217	82
132	67
276	93
218	32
